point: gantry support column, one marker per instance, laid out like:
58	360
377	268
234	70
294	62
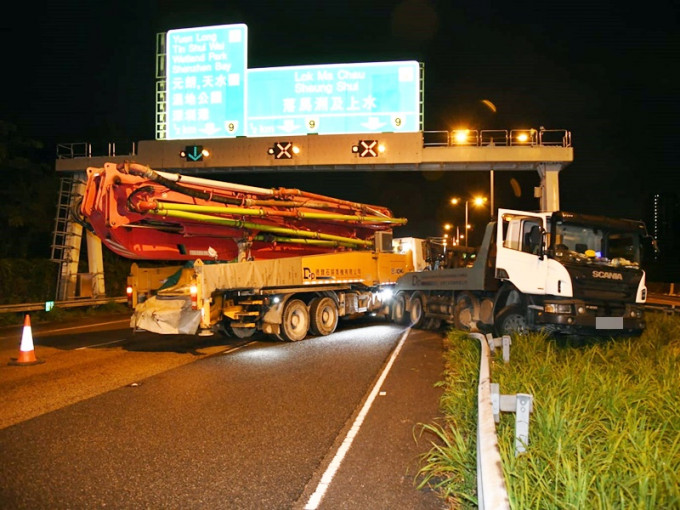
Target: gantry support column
71	249
549	190
95	262
68	267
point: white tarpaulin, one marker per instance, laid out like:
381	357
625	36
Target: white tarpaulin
166	316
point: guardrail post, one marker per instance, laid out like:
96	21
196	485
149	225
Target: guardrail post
520	404
505	342
524	407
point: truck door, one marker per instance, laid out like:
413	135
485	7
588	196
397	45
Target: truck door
520	246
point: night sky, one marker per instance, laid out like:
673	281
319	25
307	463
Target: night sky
84	71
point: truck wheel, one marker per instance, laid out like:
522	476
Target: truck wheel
399	313
464	312
417	312
323	314
511	319
242	332
295	321
432	324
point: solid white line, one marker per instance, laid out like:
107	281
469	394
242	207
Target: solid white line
327	478
99	345
47	332
236	348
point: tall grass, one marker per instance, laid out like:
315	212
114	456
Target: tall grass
450	466
605	431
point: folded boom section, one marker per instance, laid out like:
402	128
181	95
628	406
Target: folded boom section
140	213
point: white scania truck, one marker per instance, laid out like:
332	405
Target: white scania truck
559	272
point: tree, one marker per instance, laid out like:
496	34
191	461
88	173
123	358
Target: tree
28	194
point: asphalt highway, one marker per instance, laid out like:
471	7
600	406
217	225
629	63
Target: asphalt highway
117	420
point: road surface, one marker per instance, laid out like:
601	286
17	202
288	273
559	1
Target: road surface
130	421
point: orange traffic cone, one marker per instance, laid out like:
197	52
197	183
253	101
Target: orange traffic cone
26	351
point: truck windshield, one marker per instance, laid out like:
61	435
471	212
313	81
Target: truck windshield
595	244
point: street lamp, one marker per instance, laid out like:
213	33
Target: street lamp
477	202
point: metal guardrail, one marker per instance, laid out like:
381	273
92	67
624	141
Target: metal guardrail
491	490
666	303
498	138
46	305
72	150
666	309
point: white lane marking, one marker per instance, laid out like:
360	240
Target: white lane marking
236	348
331	470
47	332
99	345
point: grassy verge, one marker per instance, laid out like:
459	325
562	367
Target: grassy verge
605	431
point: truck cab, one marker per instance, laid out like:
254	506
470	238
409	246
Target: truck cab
570	272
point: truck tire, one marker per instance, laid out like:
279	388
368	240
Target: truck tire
295	321
511	319
242	332
399	313
432	324
417	312
323	315
464	312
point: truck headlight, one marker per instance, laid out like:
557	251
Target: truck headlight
385	295
557	308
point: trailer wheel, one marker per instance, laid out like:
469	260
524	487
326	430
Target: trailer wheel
295	321
242	332
417	312
399	313
323	315
511	319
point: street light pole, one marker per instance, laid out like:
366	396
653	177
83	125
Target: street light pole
466	223
477	201
491	203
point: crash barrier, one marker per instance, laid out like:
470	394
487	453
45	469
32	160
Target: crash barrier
491	489
49	305
665	309
520	404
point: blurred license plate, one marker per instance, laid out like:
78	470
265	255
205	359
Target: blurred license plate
608	322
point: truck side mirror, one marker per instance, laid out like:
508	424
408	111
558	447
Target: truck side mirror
537	239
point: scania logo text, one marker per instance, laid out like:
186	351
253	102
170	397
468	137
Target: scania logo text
608	275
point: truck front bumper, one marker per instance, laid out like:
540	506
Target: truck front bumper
591	320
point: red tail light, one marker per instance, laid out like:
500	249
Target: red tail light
128	292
